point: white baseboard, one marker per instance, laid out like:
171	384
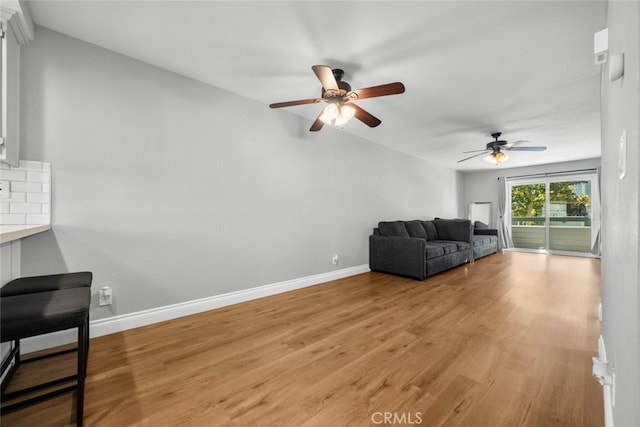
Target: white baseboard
124	322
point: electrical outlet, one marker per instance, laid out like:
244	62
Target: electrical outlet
334	260
106	296
600	312
5	192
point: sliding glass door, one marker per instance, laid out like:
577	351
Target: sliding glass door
528	215
552	214
570	216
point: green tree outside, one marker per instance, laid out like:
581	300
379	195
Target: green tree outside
528	201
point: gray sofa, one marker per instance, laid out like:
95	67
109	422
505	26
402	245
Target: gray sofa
485	240
419	249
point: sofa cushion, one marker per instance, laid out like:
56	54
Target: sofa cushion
480	225
449	247
480	240
454	229
434	251
393	229
415	229
432	233
463	246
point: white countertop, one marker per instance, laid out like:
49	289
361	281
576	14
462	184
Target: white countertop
15	232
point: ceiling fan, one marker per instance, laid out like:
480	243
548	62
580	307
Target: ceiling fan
495	149
340	97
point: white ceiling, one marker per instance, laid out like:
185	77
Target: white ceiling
470	68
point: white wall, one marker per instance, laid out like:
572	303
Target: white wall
171	190
483	186
620	215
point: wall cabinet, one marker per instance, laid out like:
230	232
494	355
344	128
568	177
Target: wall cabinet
10	123
17	29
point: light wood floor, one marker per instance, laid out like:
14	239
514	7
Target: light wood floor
506	341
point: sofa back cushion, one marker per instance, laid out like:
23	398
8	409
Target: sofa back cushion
454	229
393	228
480	225
415	229
430	228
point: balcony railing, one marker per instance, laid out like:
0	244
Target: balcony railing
571	234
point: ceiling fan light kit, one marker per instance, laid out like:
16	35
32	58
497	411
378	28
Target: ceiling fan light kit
495	148
340	97
496	158
337	114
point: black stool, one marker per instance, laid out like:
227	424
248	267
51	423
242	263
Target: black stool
40	305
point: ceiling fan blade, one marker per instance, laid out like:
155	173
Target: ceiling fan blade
475	151
475	155
365	117
298	102
317	125
325	75
525	148
518	142
382	90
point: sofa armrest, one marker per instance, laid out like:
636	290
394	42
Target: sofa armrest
399	255
485	231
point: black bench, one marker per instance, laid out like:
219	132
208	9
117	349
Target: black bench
32	306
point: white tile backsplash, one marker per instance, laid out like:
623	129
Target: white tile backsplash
13	219
28	208
12	175
26	187
38	198
38	219
30	199
29	165
38	176
16	198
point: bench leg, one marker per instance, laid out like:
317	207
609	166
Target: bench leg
83	348
8	367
